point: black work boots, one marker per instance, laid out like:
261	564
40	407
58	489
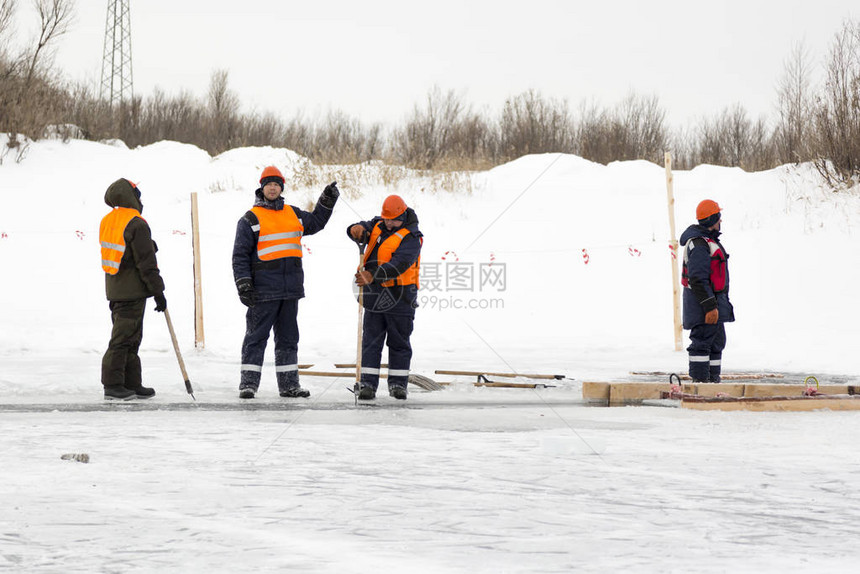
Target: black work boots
119	393
296	392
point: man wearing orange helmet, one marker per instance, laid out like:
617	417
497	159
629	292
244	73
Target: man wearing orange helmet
267	268
389	278
705	278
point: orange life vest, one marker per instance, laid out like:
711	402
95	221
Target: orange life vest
280	233
386	250
111	237
718	266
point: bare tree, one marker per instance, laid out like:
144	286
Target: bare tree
427	135
222	125
7	10
55	18
638	131
794	125
837	110
531	123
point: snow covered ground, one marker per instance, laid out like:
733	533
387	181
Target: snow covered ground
462	480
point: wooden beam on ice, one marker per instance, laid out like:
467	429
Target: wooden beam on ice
774	404
620	393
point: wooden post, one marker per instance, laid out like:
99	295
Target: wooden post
673	245
199	338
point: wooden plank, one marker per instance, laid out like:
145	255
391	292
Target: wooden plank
592	390
777	390
635	392
618	393
714	389
489	374
724	376
775	404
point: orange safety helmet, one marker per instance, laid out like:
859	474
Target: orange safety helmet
707	208
393	207
272	171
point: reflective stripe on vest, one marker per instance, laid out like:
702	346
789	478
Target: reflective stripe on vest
111	233
280	233
718	265
386	250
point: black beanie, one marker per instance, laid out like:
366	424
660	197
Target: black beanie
710	221
270	179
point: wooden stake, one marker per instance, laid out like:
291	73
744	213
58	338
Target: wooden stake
673	244
199	337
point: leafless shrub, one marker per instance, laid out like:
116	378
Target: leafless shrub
794	122
434	133
342	139
732	139
443	133
640	131
682	145
7	11
29	98
530	123
837	111
221	121
634	129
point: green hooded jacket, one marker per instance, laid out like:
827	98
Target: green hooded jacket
138	276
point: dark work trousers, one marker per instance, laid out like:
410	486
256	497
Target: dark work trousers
121	364
378	329
706	351
259	321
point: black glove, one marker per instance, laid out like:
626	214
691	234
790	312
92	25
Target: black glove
160	303
247	295
329	195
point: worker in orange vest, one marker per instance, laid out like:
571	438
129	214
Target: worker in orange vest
131	276
267	269
389	278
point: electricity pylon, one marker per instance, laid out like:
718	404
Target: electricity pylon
117	83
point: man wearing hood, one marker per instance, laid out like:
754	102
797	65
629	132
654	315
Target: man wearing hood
131	276
705	278
267	268
389	278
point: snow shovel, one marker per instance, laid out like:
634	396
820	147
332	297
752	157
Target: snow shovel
425	383
360	331
179	355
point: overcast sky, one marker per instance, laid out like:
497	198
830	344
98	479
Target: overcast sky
375	59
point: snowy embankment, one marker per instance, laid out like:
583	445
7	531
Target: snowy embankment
461	480
505	246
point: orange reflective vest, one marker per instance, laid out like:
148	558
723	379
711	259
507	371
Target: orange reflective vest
280	233
111	233
386	250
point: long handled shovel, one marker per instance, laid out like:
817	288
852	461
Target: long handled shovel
360	333
179	355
